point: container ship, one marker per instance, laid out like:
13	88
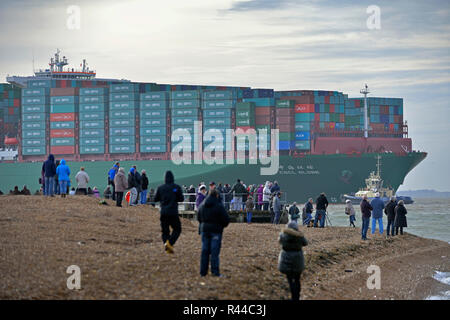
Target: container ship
309	141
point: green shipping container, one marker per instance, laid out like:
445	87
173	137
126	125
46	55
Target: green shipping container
153	148
287	135
123	96
156	131
124	87
92	116
153	114
217	113
29	151
245	106
94	91
35	108
34	125
90	133
92	124
152	123
185	112
124	114
244	114
152	105
185	95
149	140
93	99
302	145
123	105
92	141
185	104
34	117
36	100
62	141
64	100
155	96
245	122
33	134
92	107
119	140
222	104
122	148
285	104
217	121
122	131
304	117
63	108
92	149
33	142
122	123
184	121
62	125
302	126
33	92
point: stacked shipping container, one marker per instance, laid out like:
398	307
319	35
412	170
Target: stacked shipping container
124	99
153	121
94	104
10	105
35	109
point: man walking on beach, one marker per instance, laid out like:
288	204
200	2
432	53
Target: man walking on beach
321	210
169	194
213	219
366	209
390	212
377	213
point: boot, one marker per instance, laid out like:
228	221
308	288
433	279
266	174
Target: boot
168	247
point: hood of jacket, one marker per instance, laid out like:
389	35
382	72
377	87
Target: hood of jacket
211	201
168	177
293	232
63	162
51	157
267	184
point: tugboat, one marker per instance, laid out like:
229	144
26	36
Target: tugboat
374	185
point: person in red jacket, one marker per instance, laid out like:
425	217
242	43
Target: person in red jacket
366	210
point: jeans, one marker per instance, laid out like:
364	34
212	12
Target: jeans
322	214
308	219
265	205
276	220
249	217
294	285
374	224
237	203
63	187
170	221
365	227
396	230
390	226
143	196
119	197
211	243
352	220
133	196
49	188
111	182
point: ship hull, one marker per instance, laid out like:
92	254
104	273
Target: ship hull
299	178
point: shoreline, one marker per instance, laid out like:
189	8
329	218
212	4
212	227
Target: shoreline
121	256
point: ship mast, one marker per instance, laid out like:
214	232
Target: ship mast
365	92
378	166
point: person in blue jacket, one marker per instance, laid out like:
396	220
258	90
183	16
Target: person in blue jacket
63	173
377	213
111	174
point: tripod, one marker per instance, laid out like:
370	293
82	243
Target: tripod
327	220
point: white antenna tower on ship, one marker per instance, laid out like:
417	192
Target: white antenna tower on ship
365	91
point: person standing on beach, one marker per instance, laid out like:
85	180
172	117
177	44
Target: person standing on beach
350	211
133	186
294	212
63	173
390	213
400	217
308	209
144	187
377	213
266	196
239	191
291	261
49	170
111	174
82	179
213	219
201	195
121	184
169	194
321	210
249	206
277	208
366	210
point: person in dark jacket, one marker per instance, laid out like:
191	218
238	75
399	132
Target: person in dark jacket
366	210
144	187
213	219
169	194
321	210
138	178
291	261
389	210
377	213
239	191
133	186
400	217
308	210
294	212
49	169
111	174
191	197
228	196
275	188
201	195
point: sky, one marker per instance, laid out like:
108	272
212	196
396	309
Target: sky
283	44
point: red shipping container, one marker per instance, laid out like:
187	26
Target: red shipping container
262	120
245	128
304	108
11	111
332	125
327	99
331	108
5	94
63	91
16	102
62	133
62	149
285	127
285	112
391	126
262	111
300	100
54	117
357	103
342	117
286	120
317	117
